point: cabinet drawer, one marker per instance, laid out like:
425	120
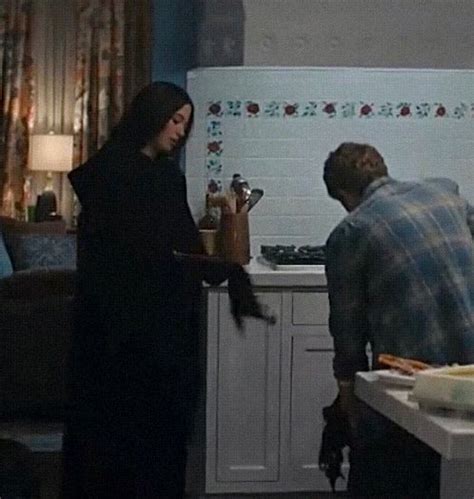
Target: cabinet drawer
310	308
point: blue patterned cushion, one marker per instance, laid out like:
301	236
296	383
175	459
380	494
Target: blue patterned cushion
6	267
31	251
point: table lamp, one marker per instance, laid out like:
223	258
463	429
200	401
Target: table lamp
49	153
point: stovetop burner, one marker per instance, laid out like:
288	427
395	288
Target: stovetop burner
291	255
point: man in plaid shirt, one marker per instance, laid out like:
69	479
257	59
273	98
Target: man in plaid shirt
400	272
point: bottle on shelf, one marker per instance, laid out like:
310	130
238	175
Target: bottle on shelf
208	225
28	206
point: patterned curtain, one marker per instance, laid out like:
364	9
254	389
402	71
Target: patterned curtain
54	53
138	46
113	61
99	88
16	98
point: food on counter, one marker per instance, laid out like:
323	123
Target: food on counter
405	366
446	388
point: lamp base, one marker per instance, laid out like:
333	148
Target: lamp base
46	207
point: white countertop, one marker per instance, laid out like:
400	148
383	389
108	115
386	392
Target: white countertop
263	275
449	434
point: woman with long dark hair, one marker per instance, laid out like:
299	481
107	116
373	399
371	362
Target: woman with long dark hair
133	368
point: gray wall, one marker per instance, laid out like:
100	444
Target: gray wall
220	33
365	33
174	40
361	33
192	33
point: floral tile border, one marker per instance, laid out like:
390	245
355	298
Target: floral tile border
402	111
334	109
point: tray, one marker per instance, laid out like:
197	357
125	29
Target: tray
395	378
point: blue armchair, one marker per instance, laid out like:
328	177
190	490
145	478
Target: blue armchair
38	262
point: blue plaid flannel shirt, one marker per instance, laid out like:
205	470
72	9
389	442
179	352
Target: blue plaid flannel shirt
400	272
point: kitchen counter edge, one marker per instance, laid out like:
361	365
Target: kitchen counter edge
263	276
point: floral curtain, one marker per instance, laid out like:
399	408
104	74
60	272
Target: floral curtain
113	61
138	47
99	90
111	49
16	98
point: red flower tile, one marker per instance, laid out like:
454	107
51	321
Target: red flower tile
215	109
212	187
405	111
253	108
213	147
329	108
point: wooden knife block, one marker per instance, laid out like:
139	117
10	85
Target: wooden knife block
234	237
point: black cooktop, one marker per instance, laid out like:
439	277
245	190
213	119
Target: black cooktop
291	255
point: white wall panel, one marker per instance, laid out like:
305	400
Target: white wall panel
422	121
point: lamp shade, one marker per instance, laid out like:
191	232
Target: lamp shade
51	153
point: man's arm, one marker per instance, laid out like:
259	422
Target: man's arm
346	276
470	218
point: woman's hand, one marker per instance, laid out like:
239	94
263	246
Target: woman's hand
210	269
243	301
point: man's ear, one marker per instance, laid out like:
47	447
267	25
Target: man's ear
349	200
341	196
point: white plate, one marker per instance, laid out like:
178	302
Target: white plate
395	378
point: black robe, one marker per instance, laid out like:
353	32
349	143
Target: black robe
133	369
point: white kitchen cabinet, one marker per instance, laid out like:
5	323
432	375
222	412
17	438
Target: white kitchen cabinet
247	396
265	390
312	388
309	308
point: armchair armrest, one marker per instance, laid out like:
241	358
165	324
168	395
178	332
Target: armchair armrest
11	225
35	339
29	251
37	284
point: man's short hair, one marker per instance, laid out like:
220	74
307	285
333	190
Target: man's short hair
352	167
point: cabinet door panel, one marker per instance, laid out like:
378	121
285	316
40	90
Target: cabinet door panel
248	396
312	388
310	308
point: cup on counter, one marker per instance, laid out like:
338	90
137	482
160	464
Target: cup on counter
235	245
209	241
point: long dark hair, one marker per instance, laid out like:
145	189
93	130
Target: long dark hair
149	112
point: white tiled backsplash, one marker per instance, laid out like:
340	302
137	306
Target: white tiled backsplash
276	126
